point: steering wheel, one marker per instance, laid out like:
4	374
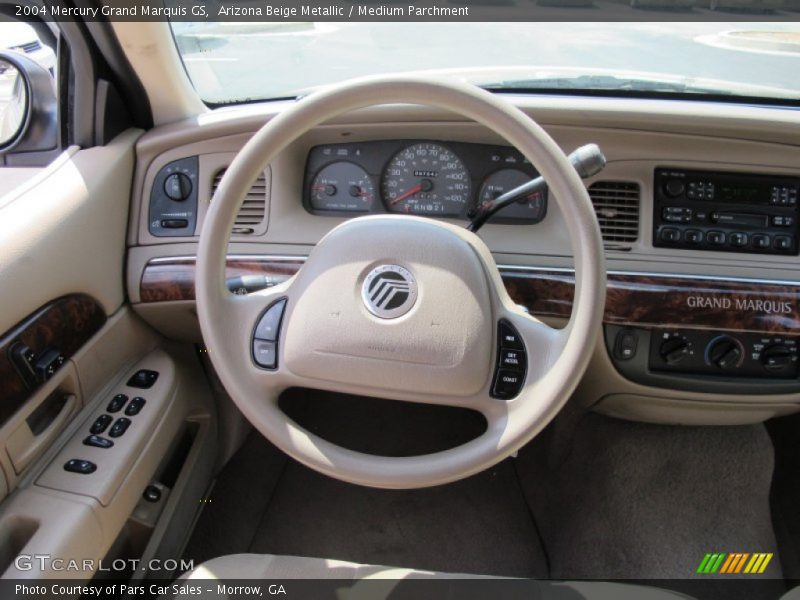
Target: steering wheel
400	307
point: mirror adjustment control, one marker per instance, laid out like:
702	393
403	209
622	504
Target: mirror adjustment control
509	375
143	379
116	404
97	441
48	363
119	427
78	465
100	424
135	406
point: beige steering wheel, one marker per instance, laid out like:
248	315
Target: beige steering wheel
400	307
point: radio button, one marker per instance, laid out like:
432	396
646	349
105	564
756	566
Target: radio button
738	239
760	240
715	238
782	221
670	235
783	242
693	236
674	188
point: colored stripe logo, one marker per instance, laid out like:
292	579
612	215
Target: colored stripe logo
734	563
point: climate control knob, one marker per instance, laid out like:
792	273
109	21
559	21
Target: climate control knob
725	352
674	349
777	357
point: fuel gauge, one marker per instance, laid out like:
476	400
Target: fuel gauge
342	187
531	208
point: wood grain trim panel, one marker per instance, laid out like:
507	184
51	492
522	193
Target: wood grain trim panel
632	299
166	280
64	324
668	301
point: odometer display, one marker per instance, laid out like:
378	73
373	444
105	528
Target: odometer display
426	179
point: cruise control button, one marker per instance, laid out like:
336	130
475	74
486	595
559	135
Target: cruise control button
117	402
135	406
270	322
77	465
120	427
265	353
509	338
512	359
97	441
508	384
100	424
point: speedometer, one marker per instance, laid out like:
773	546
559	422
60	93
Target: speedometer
426	179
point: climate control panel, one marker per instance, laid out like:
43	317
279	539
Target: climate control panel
734	354
726	362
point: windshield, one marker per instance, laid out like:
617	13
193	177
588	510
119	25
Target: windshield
239	62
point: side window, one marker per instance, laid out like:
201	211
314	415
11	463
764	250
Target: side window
29	109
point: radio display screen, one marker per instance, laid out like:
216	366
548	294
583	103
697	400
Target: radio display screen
751	193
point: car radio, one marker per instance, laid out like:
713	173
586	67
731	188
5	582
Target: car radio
725	212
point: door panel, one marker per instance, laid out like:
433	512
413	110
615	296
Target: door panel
62	246
66	233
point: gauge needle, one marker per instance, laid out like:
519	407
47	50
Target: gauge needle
404	195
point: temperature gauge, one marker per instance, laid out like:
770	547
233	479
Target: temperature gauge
342	186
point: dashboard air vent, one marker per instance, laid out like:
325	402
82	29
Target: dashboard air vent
254	207
617	206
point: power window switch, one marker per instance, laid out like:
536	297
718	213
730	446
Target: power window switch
143	379
97	441
135	406
117	402
78	465
119	427
100	424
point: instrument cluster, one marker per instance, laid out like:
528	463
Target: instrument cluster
418	177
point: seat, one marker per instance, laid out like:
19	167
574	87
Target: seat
280	568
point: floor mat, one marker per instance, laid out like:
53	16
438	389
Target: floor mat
632	500
262	504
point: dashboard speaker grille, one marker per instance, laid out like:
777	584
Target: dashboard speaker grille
616	204
254	207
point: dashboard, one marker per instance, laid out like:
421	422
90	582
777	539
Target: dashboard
418	177
698	207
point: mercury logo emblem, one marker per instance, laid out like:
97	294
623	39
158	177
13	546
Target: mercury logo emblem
389	291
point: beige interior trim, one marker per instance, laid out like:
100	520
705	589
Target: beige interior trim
53	228
150	48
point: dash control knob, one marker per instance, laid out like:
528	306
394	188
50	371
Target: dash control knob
177	187
674	349
777	357
725	352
